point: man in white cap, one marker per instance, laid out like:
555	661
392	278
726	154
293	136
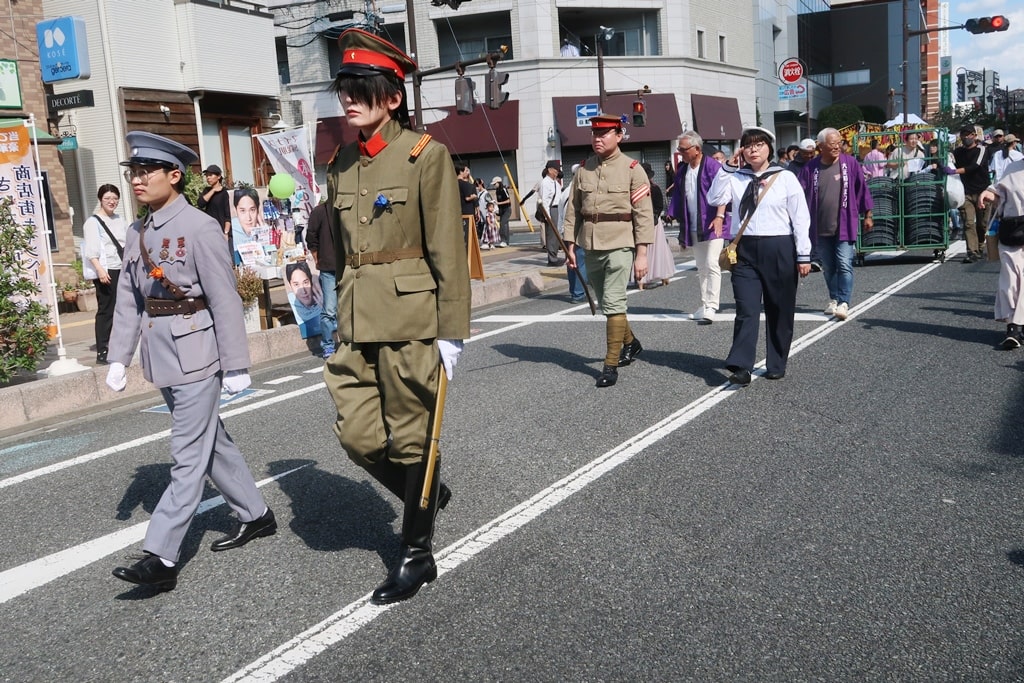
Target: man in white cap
504	202
806	153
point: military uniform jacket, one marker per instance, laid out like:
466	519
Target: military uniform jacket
614	187
179	349
413	298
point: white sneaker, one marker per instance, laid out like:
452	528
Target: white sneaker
502	244
842	311
698	314
485	247
831	308
708	317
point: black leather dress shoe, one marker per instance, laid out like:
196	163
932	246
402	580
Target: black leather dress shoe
775	375
629	352
740	377
444	494
263	526
609	376
149	571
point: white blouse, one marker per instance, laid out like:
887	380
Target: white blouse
97	242
783	211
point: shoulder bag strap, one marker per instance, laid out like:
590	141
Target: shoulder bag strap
117	245
759	198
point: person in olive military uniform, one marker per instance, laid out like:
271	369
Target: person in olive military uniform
403	292
609	214
177	295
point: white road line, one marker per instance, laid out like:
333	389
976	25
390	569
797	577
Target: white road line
313	370
640	317
143	440
343	623
283	380
23	578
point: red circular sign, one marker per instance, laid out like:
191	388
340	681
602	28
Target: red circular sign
791	71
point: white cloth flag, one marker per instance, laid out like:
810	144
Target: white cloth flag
288	151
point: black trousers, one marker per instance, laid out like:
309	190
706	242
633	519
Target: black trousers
105	295
765	269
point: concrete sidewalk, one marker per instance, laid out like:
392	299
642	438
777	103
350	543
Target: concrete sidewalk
30	400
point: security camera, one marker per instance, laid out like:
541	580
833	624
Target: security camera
164	109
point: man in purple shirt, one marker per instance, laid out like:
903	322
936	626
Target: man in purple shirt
837	195
703	227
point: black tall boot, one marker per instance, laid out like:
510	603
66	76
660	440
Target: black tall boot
416	562
392	477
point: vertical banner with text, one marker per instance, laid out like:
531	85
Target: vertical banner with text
288	151
19	181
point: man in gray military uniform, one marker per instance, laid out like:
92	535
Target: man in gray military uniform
177	295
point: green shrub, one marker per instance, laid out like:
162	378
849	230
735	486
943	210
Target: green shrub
23	320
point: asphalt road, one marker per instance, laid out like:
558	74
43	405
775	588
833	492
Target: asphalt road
860	519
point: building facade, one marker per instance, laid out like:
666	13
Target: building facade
19	46
201	72
697	60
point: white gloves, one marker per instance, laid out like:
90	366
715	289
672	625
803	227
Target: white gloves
450	350
116	378
235	381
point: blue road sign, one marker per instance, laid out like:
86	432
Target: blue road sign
584	112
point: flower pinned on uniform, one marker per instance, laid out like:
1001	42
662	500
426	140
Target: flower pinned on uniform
382	202
157	273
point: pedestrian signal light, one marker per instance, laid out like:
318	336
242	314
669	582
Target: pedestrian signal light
465	101
987	24
639	113
495	95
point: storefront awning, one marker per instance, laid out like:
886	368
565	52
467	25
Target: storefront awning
716	118
331	132
484	131
461	134
42	137
572	118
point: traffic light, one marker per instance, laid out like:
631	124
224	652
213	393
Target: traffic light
495	95
639	113
465	101
987	24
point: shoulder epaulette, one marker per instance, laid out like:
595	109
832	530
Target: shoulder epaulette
418	149
334	155
633	163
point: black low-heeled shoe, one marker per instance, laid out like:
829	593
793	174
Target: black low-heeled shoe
740	377
149	571
609	376
265	525
629	352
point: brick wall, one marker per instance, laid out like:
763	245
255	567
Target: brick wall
21	17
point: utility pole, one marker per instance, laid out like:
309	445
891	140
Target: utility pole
417	97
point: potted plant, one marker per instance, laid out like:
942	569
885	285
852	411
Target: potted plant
249	285
69	292
87	296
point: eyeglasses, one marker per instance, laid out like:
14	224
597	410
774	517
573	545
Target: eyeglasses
684	150
142	173
761	144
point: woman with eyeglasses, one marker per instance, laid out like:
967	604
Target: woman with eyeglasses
177	301
101	261
772	255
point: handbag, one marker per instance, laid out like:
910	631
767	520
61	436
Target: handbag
727	257
955	191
